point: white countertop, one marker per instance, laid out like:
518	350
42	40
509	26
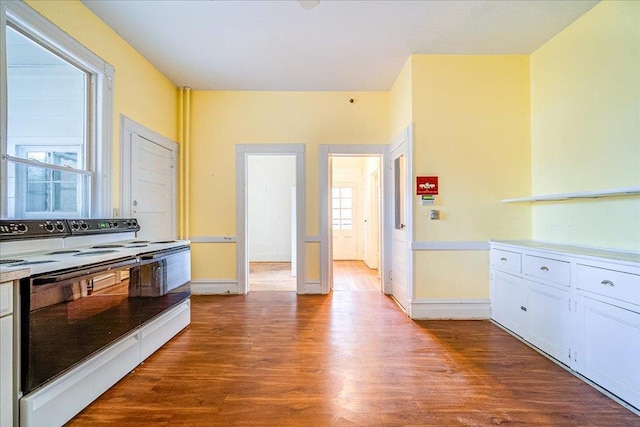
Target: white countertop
579	250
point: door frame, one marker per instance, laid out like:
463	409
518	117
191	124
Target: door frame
242	247
326	234
129	127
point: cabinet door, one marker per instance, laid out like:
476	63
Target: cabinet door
608	348
548	323
6	371
508	301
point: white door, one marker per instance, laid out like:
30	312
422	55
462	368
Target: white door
371	220
399	221
152	187
343	206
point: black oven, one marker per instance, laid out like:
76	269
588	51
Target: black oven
66	316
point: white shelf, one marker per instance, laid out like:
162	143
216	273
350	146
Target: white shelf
613	192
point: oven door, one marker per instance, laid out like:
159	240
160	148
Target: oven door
165	281
68	316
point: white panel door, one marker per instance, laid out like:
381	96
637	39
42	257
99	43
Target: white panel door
399	233
152	185
343	208
371	219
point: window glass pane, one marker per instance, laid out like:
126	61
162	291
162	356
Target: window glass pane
345	192
346	203
336	203
41	192
46	100
346	225
336	224
345	213
336	214
335	192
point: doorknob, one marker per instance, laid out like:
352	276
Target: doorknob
401	226
134	203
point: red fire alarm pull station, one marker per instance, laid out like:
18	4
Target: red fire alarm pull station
426	185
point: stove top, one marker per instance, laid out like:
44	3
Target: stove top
72	243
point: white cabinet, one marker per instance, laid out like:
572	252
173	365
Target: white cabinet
537	312
6	354
579	305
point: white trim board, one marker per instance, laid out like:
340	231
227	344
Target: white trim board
473	245
214	287
213	239
455	309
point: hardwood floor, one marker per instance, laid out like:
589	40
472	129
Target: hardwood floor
271	276
349	358
354	276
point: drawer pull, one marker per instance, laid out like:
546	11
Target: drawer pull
523	308
544	268
503	259
607	283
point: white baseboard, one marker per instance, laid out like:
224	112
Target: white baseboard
214	287
311	287
457	309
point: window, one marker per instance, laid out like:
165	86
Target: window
56	121
342	206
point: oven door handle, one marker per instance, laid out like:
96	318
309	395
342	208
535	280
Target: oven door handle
104	267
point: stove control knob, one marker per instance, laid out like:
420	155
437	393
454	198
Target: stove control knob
60	226
21	228
84	225
48	226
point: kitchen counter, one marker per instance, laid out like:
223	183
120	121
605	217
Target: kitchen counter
575	250
8	274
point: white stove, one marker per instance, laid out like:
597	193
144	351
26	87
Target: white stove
51	245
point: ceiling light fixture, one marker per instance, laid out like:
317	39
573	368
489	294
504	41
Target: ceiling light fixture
309	4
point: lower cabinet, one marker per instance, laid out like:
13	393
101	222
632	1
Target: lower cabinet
537	312
6	354
608	347
578	305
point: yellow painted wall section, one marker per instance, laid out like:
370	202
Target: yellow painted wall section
585	109
400	101
472	130
223	119
141	92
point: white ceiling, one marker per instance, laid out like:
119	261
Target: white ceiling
338	45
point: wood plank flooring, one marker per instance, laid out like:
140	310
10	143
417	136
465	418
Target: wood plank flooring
271	276
349	358
354	276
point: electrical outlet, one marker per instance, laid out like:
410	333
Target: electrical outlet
434	214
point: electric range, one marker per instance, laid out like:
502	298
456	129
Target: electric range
46	246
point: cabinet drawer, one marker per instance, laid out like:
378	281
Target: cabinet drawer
6	298
552	270
610	283
505	260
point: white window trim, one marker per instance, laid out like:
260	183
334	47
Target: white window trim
99	152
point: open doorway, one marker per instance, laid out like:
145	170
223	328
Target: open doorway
355	190
271	222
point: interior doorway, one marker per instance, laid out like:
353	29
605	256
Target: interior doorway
271	222
355	211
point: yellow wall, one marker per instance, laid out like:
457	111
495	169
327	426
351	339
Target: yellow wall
141	92
222	119
400	101
585	118
471	129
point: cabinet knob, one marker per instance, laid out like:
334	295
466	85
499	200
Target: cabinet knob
544	268
607	283
523	308
503	259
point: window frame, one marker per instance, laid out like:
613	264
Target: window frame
99	140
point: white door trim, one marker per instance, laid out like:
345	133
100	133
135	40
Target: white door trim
127	128
242	151
324	179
